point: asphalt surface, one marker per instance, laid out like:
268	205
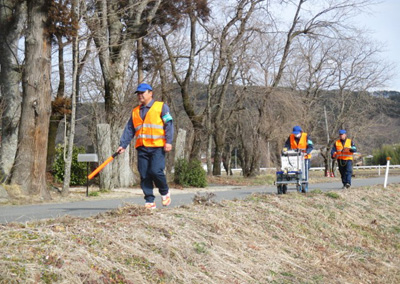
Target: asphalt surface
26	213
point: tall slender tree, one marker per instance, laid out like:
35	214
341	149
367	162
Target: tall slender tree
75	62
194	10
30	164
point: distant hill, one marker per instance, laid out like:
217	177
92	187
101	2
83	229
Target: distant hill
387	94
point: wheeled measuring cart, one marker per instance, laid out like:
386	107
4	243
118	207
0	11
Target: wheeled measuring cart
294	170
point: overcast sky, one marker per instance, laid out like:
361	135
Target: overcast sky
384	24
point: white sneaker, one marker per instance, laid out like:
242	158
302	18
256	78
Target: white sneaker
150	205
166	199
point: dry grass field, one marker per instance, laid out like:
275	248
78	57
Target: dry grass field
347	236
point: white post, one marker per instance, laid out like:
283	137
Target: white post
379	170
387	171
180	144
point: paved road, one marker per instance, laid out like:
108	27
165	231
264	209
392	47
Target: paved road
88	208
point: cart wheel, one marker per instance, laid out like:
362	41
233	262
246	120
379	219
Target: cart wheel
280	189
303	188
284	188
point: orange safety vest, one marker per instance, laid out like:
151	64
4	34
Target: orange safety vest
343	153
302	144
150	132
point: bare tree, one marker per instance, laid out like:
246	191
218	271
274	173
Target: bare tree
335	75
358	69
60	29
12	24
226	48
30	164
324	20
185	78
75	58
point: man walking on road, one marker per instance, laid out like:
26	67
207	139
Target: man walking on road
151	124
343	150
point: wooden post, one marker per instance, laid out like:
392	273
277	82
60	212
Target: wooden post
104	148
180	144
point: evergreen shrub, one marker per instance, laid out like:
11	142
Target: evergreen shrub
78	169
190	173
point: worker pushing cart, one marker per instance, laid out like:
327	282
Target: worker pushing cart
293	171
295	160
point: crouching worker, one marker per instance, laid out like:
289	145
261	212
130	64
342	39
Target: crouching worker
343	150
151	124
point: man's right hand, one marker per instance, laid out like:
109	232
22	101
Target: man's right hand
120	150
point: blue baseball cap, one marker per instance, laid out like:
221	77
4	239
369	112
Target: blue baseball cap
342	131
296	130
143	88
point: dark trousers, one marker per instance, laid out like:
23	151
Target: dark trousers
346	170
151	165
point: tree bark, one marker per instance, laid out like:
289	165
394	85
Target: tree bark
12	19
56	116
30	164
125	176
180	144
104	149
75	60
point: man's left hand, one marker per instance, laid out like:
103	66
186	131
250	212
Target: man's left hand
167	147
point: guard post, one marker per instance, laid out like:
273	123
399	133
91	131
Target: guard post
387	171
88	158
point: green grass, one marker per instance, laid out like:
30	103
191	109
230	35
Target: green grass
333	195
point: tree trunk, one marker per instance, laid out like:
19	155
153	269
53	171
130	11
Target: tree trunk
75	60
30	163
209	152
122	173
12	19
180	144
219	139
140	61
197	140
227	159
51	144
104	149
56	117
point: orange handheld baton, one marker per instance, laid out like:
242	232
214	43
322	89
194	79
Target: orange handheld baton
99	168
